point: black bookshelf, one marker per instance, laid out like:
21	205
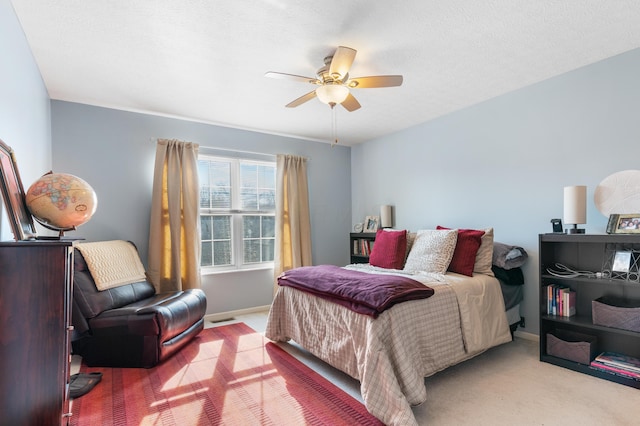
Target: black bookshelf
587	252
357	242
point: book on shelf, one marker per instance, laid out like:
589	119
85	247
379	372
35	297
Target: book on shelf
362	247
615	370
560	300
569	303
365	247
625	362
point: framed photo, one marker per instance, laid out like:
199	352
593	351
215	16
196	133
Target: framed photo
13	196
621	261
624	224
371	223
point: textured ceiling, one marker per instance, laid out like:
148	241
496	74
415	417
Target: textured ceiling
205	60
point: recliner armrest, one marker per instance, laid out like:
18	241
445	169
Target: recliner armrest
187	307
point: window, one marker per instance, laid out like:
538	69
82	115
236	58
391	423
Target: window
237	212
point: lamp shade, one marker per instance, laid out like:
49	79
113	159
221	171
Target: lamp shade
575	205
332	93
386	218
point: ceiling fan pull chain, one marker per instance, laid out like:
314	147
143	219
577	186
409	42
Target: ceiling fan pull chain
334	126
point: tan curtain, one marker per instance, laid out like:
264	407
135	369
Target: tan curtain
174	235
293	225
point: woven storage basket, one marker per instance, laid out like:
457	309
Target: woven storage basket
616	313
573	346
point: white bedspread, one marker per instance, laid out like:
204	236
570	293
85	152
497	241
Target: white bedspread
392	354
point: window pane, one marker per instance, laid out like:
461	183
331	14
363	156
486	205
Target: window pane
267	199
248	175
251	226
205	189
249	198
205	228
268	226
267	177
221	198
205	197
268	249
251	251
215	184
220	182
207	254
221	227
221	253
220	173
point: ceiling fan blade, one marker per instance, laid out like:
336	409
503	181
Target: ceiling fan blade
302	99
283	76
351	103
341	62
374	81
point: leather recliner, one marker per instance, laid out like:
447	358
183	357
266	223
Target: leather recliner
131	325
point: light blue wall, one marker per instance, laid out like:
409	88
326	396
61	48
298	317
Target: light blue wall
24	106
114	152
504	163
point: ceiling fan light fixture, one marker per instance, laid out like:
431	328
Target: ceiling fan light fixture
332	93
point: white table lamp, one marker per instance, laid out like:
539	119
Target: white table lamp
386	217
575	207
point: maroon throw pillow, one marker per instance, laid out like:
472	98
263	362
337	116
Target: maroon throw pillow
464	255
389	249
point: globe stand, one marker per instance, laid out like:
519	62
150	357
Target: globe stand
60	231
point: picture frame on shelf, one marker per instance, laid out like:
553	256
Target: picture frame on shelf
13	196
624	224
621	261
371	223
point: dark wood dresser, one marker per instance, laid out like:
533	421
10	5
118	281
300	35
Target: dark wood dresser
36	279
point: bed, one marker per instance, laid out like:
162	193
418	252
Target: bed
391	353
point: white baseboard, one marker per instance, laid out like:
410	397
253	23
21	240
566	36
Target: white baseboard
223	316
527	336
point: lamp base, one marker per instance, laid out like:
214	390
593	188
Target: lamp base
576	231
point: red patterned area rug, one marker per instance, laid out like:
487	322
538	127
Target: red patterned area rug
228	375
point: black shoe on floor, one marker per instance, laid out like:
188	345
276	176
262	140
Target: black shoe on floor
82	383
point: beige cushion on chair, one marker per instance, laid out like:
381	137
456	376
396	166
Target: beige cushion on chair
112	263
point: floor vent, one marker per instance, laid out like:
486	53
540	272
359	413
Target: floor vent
222	320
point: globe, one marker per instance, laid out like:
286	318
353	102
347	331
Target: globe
61	201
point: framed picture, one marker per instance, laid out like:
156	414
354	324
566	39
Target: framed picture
13	196
624	224
621	261
371	223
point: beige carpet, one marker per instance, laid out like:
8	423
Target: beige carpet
506	385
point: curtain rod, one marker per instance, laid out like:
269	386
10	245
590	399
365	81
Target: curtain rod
236	150
154	140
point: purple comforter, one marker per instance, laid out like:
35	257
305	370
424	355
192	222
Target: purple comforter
369	294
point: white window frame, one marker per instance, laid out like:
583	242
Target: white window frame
237	214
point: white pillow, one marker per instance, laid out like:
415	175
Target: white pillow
432	251
411	237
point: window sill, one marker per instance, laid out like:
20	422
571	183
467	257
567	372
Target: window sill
209	271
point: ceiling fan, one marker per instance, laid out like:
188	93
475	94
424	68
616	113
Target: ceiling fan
333	81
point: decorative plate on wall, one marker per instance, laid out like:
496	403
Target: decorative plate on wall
619	193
